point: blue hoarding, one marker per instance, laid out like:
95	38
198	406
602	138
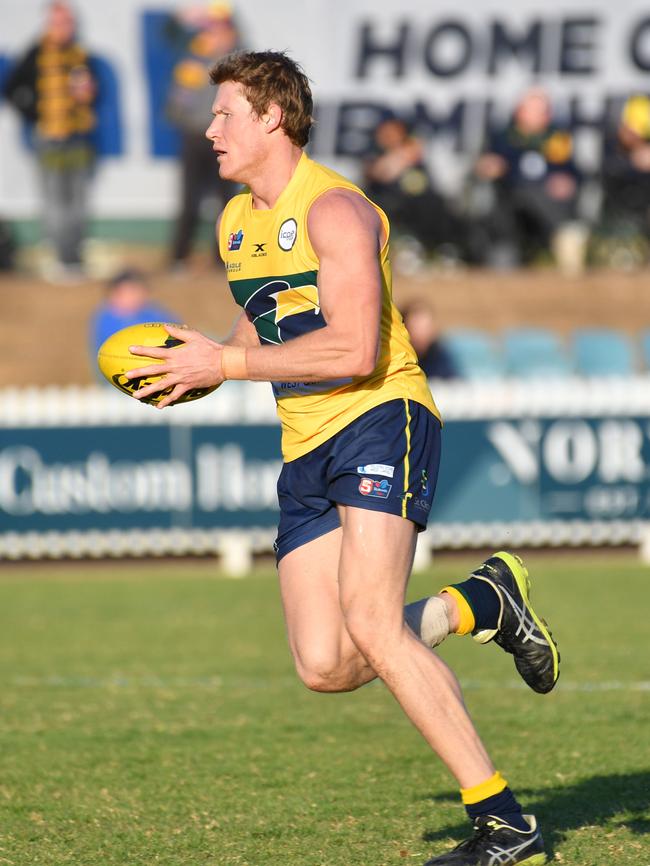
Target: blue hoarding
201	476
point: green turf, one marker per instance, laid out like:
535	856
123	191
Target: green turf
150	715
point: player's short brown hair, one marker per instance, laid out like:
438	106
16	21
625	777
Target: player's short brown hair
271	76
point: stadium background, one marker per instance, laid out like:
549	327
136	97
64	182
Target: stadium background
148	712
449	69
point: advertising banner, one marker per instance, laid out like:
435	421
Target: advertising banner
108	478
526	472
545	469
449	70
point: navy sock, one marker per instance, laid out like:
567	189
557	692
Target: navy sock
484	601
503	805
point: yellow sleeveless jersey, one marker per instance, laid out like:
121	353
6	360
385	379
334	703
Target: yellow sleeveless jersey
272	270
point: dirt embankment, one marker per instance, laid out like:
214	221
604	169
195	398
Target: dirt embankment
44	327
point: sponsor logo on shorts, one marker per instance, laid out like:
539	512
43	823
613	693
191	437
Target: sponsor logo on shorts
372	487
376	469
422	504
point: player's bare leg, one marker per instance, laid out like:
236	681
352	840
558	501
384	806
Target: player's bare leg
364	595
365	599
376	557
326	658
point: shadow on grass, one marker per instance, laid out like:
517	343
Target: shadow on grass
591	801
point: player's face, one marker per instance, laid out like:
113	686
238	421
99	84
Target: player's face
236	133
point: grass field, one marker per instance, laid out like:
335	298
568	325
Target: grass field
150	715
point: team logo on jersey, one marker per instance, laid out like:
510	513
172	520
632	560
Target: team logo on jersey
281	309
287	234
235	240
371	487
293	302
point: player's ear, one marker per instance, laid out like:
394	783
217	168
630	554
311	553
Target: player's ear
272	117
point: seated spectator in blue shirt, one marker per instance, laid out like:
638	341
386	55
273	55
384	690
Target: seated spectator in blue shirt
433	356
128	302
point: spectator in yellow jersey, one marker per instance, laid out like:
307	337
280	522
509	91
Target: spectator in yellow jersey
54	90
307	259
626	171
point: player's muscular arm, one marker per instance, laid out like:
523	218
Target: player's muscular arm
346	234
198	363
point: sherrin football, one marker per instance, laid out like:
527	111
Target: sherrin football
115	360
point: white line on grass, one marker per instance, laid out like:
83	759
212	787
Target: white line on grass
255	682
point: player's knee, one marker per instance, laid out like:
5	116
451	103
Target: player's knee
371	633
322	673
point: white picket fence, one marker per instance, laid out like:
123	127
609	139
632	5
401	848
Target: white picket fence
252	403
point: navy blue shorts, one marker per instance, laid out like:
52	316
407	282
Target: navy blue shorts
385	460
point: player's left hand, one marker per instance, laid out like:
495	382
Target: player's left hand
195	364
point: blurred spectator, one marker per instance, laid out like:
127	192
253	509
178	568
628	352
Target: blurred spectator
536	184
54	90
396	177
128	302
433	356
213	34
7	246
626	171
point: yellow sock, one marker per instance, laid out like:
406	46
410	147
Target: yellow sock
467	621
494	785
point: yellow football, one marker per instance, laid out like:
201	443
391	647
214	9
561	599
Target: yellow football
115	360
